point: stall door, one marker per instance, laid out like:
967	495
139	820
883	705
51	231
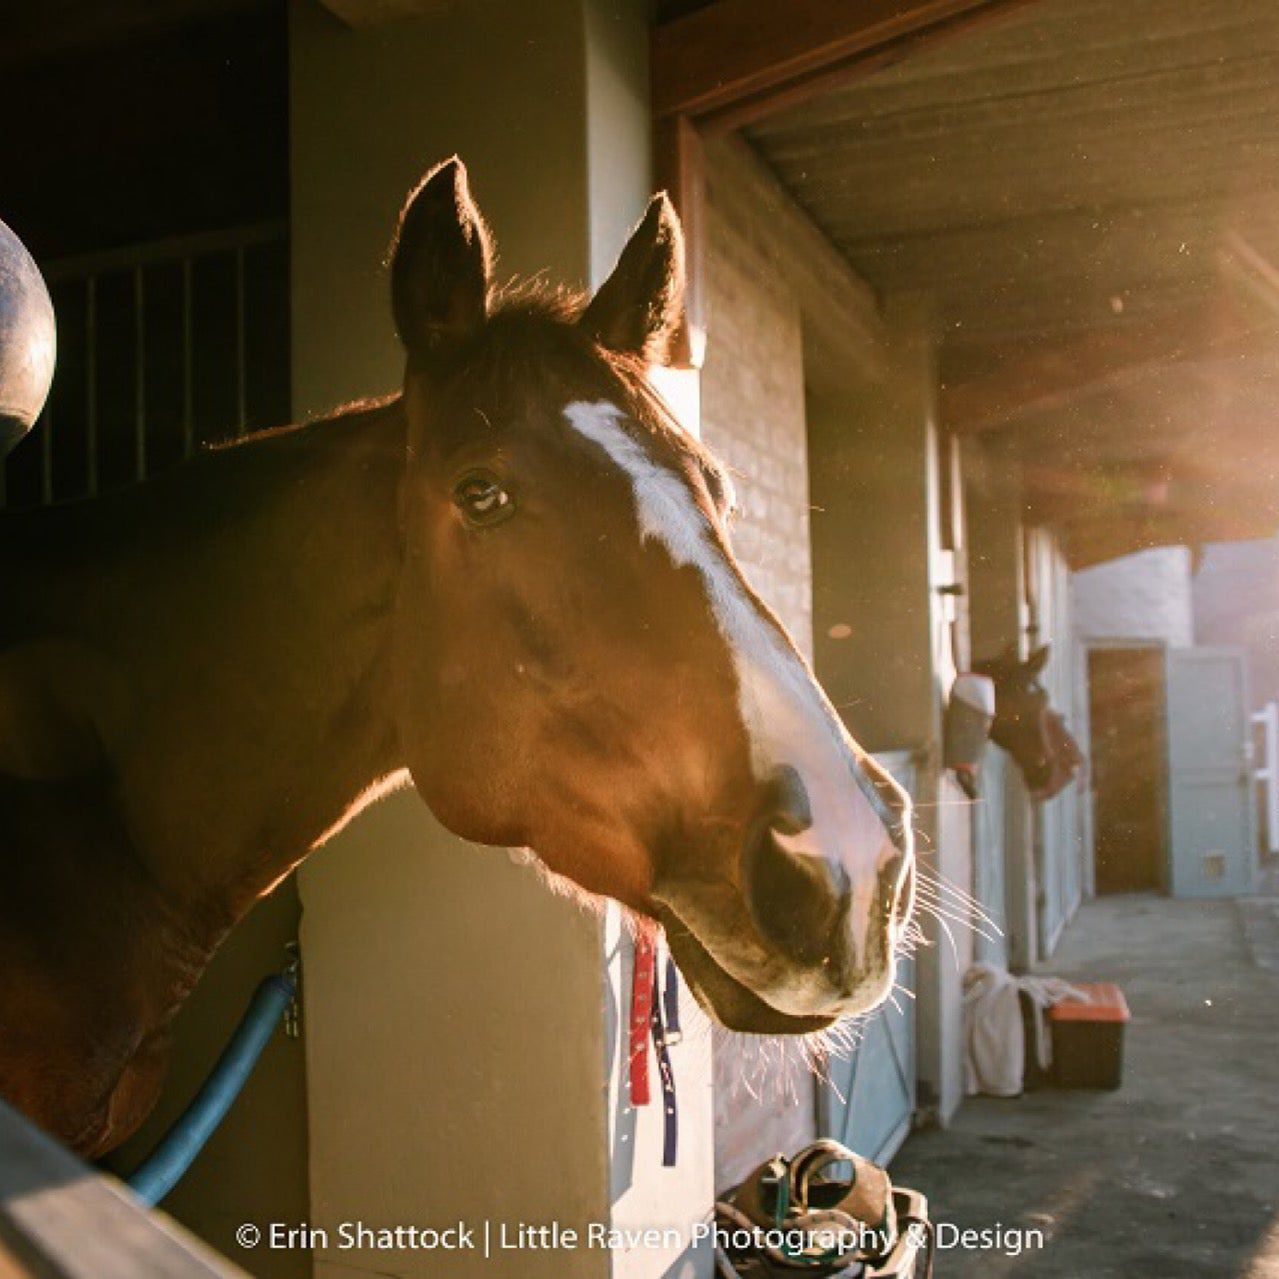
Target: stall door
869	1094
1211	818
990	944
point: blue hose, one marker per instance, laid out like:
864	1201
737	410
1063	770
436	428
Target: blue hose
166	1165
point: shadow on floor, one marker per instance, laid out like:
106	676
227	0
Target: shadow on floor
1177	1173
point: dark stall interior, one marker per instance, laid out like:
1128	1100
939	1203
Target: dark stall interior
152	188
1129	768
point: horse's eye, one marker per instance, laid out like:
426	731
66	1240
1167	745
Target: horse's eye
482	499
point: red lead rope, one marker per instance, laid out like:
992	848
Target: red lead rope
654	1013
643	982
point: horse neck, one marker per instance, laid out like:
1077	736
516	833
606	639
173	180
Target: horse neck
259	662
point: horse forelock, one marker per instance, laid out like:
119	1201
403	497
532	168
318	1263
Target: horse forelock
532	351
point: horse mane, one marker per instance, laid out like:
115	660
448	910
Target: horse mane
368	406
186	503
534	297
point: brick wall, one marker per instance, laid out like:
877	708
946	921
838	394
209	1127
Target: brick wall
753	402
753	417
1146	596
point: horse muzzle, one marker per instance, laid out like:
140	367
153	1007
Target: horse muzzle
798	934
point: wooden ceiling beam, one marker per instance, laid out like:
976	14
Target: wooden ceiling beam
1043	378
1200	39
737	61
1249	271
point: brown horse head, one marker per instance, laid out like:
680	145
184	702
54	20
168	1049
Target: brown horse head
1025	724
581	667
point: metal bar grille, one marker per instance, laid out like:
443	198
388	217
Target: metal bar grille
241	410
139	374
162	348
91	382
174	249
188	411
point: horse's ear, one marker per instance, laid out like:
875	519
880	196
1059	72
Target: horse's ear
441	263
640	307
1036	662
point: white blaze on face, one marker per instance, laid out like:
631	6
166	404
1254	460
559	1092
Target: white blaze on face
786	715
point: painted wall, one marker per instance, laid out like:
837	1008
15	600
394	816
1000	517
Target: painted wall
1060	823
880	629
1003	823
644	1195
995	619
873	495
1146	596
255	1166
1236	601
462	1020
1022	594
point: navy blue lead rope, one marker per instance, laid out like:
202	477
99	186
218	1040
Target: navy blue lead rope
166	1165
670	1002
664	1020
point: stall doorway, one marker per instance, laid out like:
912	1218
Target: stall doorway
1127	692
159	215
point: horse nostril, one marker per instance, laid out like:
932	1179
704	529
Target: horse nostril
793	900
789	811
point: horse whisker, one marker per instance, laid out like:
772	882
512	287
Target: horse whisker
961	913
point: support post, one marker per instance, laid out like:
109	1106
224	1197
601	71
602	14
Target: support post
462	1023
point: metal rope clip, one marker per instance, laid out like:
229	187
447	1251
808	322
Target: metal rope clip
293	970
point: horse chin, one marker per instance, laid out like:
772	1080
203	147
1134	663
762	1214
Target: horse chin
726	999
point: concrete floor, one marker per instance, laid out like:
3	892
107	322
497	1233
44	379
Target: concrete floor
1177	1173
